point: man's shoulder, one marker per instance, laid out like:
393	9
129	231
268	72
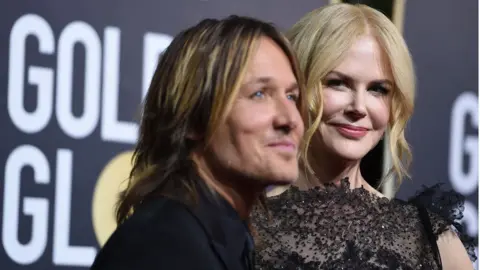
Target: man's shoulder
162	232
157	217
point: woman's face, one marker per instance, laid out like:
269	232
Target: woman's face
357	101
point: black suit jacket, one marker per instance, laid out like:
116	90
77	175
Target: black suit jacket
167	234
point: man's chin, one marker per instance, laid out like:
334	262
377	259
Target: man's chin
283	180
275	178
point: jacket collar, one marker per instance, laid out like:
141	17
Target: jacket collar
228	233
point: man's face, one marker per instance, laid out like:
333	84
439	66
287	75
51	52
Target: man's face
261	135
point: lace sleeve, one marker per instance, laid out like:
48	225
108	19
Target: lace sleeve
446	211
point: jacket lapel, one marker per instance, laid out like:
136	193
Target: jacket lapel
229	242
226	233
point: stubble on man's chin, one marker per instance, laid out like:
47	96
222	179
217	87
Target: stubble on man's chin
278	181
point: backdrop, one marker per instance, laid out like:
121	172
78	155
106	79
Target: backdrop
444	129
75	72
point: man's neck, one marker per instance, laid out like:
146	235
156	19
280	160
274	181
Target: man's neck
238	193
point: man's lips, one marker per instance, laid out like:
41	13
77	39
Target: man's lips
284	145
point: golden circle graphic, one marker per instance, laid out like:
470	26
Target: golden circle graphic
111	181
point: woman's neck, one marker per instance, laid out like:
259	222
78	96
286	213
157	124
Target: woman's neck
332	169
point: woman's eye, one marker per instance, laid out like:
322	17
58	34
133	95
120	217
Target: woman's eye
334	83
379	89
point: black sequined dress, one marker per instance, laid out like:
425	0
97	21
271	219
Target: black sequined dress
342	228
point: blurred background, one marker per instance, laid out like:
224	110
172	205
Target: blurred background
74	74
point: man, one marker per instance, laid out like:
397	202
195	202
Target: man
221	122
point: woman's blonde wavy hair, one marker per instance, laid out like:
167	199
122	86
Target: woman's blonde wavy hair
321	39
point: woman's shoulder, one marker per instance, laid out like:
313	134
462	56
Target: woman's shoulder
333	195
321	225
444	208
334	215
332	209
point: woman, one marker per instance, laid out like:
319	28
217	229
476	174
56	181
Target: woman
211	140
357	60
